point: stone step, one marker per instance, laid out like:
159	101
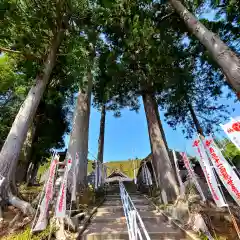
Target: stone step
106	216
109	222
123	235
119	197
110	209
101	218
136	202
130	194
134	199
117	229
117	208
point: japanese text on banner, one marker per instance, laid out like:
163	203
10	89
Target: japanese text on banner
224	170
61	201
209	175
192	174
42	219
232	129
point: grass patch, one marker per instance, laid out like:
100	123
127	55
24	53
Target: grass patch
43	168
26	234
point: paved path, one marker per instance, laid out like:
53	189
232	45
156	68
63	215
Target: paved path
109	222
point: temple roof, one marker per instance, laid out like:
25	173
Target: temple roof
117	175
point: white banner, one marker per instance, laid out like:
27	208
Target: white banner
99	174
2	178
104	173
209	175
134	174
148	176
60	211
96	174
224	170
143	174
232	129
75	174
192	174
182	187
42	219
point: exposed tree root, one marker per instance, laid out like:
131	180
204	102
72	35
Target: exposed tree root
15	219
71	225
25	207
1	214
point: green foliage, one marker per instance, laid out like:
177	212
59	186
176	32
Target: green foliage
51	124
7	75
43	168
12	91
202	236
28	29
230	9
196	93
26	234
133	60
230	151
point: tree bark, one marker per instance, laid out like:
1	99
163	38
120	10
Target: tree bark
78	142
160	124
195	120
164	136
161	161
32	174
223	55
101	135
11	149
25	155
25	207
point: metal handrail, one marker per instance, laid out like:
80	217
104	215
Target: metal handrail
134	222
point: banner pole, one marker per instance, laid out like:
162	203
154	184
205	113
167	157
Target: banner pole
41	196
154	173
182	188
38	207
192	174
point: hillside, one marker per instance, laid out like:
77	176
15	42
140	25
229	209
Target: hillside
125	166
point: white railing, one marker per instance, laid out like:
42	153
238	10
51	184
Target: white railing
136	228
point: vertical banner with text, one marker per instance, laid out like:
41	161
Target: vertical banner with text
96	174
75	174
42	219
224	170
192	174
209	174
148	176
60	211
232	129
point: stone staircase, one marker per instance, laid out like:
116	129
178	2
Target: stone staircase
109	222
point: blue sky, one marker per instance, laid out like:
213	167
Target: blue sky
127	137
